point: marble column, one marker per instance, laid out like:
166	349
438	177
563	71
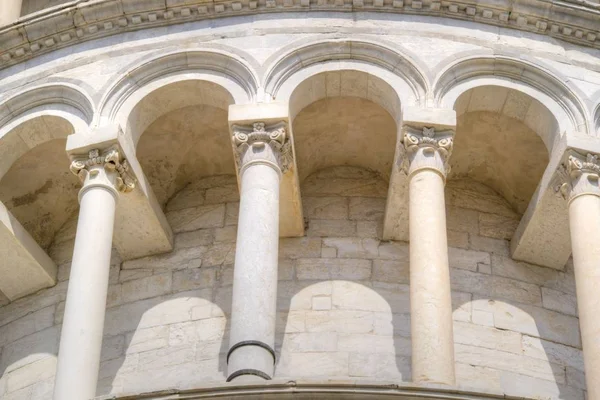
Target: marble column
104	175
425	153
261	157
11	11
580	176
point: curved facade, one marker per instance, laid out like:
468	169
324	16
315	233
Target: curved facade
345	199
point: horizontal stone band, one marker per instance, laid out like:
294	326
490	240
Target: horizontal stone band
248	372
252	343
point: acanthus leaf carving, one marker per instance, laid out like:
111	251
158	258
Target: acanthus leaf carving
264	143
112	161
426	148
578	174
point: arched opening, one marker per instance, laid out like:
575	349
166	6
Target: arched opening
501	141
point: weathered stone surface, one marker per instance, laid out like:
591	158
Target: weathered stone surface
382	366
332	268
491	245
152	286
325	207
191	219
354	247
462	219
190	279
392	271
497	226
299	247
367	208
142	340
495	286
558	301
331	227
488	337
467	259
553	352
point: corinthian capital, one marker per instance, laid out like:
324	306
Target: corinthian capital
579	175
426	148
259	143
111	161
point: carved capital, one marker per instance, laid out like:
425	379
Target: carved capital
110	164
262	144
578	175
426	148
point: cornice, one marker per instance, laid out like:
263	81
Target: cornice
575	21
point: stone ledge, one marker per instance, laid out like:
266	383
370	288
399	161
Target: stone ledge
305	389
575	21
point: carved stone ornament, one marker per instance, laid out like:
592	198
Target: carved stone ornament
261	143
578	175
111	160
426	148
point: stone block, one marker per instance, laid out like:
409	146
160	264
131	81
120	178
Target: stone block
345	187
191	219
30	374
192	332
392	271
332	268
133	274
354	296
222	194
328	252
285	273
517	384
369	229
112	347
495	286
369	343
232	213
219	254
558	301
553	352
354	247
190	279
458	239
476	377
318	364
146	339
321	303
29	349
34	322
189	197
388	324
291	322
209	350
201	237
497	226
488	337
490	245
510	362
339	321
462	220
227	234
532	321
467	259
310	342
325	207
575	378
367	208
542	276
331	227
300	247
156	360
176	259
294	296
152	286
461	304
394	251
380	366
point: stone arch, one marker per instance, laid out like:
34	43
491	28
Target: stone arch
35	182
562	102
596	114
218	68
288	69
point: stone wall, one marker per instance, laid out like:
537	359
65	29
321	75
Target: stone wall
343	301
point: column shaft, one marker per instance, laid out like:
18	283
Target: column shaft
251	354
10	12
430	300
83	324
584	221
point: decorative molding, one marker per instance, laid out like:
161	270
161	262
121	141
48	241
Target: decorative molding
426	148
269	144
578	175
575	21
112	161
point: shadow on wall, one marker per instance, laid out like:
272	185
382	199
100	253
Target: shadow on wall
343	304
